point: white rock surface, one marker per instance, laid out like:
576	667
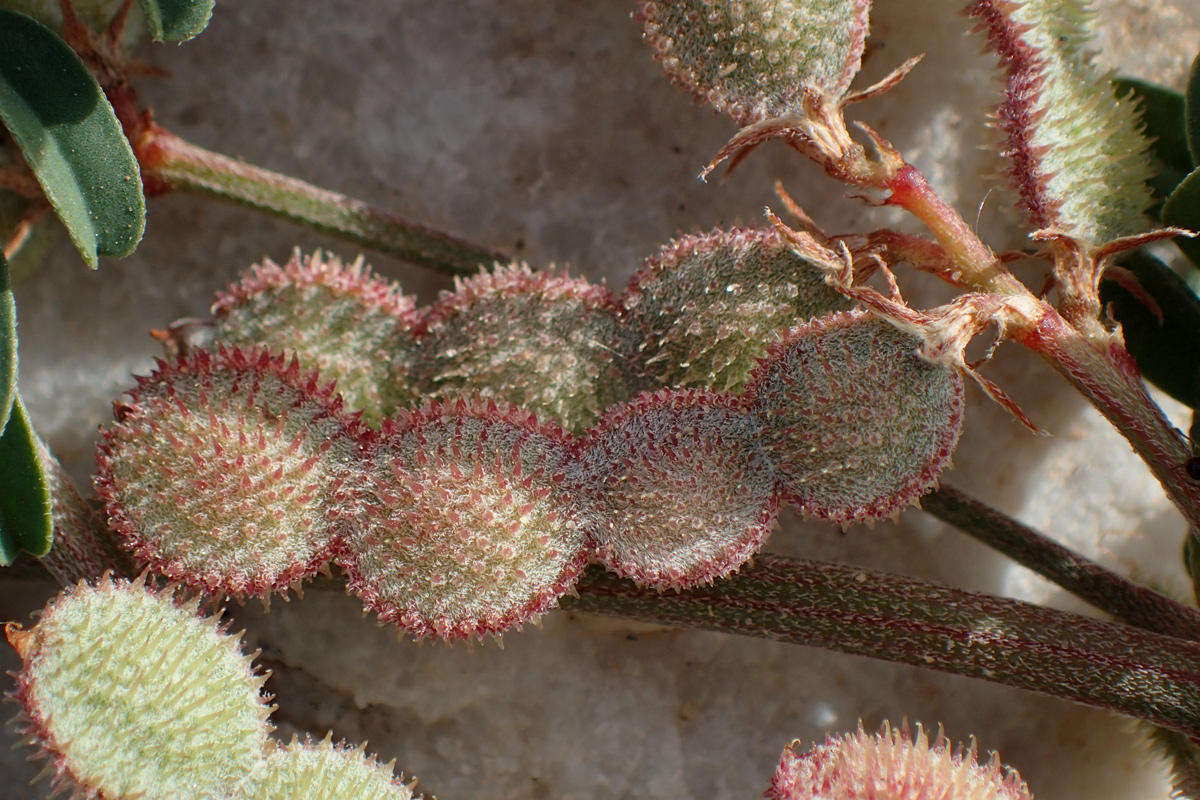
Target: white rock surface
545	129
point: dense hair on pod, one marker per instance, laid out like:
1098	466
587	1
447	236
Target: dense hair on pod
324	771
857	424
469	526
352	325
542	341
678	491
134	695
891	765
752	58
708	306
227	471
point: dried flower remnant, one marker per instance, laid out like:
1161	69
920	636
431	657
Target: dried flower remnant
469	524
545	342
753	59
227	471
324	771
708	306
351	325
131	694
857	424
678	491
891	765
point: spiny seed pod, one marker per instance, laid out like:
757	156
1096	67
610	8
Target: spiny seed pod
470	528
678	490
541	341
752	58
350	324
891	766
134	695
324	771
857	424
708	306
84	547
227	471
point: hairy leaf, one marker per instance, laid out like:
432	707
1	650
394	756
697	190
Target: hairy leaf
1077	159
753	58
25	522
69	135
176	20
1160	317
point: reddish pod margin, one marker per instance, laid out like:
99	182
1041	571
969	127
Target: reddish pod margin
227	471
677	489
469	527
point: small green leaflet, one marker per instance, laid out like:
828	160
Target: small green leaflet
69	135
176	20
25	522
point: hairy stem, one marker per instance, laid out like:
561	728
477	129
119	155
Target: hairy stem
177	164
1087	580
909	621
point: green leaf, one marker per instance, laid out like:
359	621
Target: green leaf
176	20
8	345
70	137
1182	210
25	522
1166	348
1163	113
1192	99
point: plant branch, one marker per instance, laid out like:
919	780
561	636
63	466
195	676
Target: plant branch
183	166
1087	580
910	621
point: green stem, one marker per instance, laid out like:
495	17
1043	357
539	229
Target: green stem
168	160
1087	580
909	621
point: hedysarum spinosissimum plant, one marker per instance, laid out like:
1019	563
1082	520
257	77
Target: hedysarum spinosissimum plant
468	516
891	765
228	471
708	306
468	527
677	489
131	694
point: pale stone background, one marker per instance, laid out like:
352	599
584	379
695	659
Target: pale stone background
545	129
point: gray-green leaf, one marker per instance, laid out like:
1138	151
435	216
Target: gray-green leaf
69	135
176	20
25	522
